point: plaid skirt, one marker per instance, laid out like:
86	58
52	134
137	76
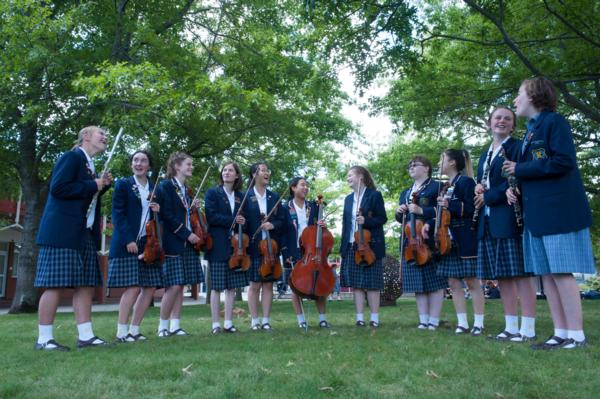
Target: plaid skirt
182	269
454	266
131	272
66	267
223	278
369	278
559	253
254	272
500	258
421	279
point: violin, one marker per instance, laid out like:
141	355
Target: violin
239	259
153	251
312	276
200	228
270	266
443	242
364	255
416	249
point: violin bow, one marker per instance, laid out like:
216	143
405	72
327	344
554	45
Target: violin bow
104	170
242	203
201	184
150	197
266	218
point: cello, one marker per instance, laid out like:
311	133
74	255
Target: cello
443	242
312	276
153	253
416	249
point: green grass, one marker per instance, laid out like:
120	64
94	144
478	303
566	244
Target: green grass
394	361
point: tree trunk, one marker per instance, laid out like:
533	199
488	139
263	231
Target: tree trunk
26	296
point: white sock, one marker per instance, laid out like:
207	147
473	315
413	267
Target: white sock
559	332
527	326
44	333
227	324
216	324
360	317
375	317
424	318
462	320
478	322
85	331
255	321
322	317
122	330
173	325
300	318
435	321
134	330
511	324
163	325
265	320
577	335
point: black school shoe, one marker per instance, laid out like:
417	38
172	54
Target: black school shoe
549	346
90	343
46	346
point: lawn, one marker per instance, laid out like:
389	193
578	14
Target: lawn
397	360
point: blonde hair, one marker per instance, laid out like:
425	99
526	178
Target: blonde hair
176	158
86	130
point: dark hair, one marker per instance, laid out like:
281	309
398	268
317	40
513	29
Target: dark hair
367	178
489	119
146	153
237	184
542	92
462	159
424	161
176	158
293	183
253	169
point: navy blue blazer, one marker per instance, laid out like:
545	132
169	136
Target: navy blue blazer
220	218
173	215
253	220
373	209
461	206
502	221
427	200
290	242
126	216
554	200
72	188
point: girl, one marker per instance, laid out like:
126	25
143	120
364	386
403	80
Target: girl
261	201
69	237
461	264
363	207
557	217
500	250
301	213
130	212
222	204
422	280
182	264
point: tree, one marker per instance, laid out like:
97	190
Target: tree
216	79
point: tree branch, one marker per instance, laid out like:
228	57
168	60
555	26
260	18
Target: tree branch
570	26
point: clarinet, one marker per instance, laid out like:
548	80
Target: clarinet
513	183
486	173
